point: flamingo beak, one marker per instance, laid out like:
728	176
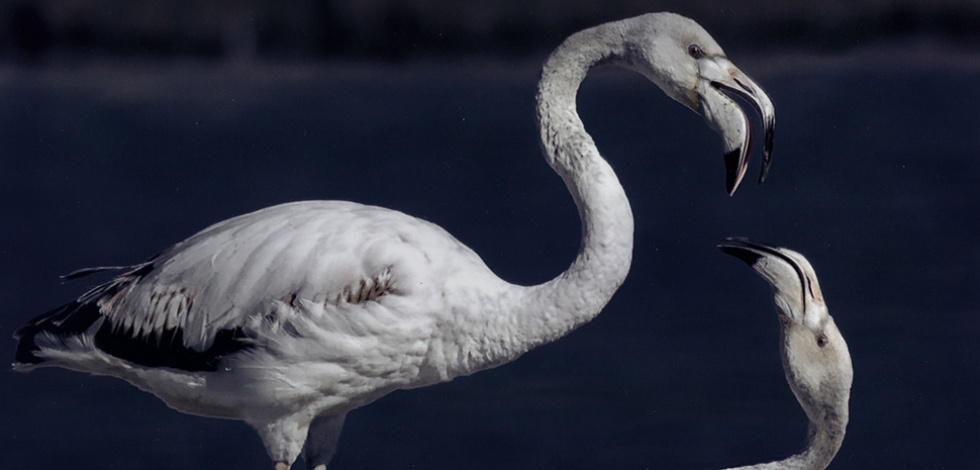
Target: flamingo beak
718	76
794	283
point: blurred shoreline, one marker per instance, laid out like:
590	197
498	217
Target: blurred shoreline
126	77
398	30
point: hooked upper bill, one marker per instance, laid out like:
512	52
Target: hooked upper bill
718	76
794	282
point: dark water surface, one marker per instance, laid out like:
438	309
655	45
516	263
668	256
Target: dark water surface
876	179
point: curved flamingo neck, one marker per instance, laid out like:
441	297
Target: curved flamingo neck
545	312
822	445
824	438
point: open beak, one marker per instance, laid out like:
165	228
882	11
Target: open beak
718	76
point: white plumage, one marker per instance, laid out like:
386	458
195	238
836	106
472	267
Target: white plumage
291	316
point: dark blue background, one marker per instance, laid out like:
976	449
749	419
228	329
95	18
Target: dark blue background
875	179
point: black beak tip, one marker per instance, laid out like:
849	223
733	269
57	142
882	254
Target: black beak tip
740	248
733	166
764	172
766	153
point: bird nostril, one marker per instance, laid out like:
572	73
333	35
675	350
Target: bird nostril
744	86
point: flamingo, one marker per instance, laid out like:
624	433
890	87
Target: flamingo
816	361
289	317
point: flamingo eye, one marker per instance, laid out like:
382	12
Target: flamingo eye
695	51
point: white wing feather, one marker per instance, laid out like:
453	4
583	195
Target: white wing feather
315	251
